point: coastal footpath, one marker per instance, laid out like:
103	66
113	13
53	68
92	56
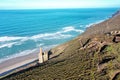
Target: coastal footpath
94	55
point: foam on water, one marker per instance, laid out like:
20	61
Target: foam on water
9	45
6	38
24	31
71	28
26	52
46	36
92	24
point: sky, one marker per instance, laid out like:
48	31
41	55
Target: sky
51	4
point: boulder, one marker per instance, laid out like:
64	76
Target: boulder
116	39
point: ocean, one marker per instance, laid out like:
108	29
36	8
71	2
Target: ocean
23	32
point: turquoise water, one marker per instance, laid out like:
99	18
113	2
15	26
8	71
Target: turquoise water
24	31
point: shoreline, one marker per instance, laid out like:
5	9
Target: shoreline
87	26
18	62
27	61
10	65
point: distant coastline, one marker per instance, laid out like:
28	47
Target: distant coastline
27	58
33	30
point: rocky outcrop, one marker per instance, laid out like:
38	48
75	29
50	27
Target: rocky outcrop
94	55
95	45
116	35
116	39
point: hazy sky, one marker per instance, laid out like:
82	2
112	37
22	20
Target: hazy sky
42	4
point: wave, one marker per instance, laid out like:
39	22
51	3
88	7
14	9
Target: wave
9	41
57	35
94	23
6	38
70	28
22	53
9	45
26	52
48	36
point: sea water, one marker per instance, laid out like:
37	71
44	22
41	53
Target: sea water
25	31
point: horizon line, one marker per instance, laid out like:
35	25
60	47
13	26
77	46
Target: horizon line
57	8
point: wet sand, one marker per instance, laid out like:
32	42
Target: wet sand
14	63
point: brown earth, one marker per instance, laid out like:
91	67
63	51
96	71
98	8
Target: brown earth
94	55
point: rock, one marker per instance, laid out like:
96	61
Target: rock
114	33
92	46
116	39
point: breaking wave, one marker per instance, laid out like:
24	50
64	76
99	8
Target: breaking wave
94	23
9	45
26	52
6	38
8	41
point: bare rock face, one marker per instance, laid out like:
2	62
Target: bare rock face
116	39
91	56
115	32
116	35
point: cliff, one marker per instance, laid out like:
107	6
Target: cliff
94	55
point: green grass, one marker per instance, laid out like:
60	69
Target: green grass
75	64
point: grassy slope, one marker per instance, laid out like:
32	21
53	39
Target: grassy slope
81	64
74	63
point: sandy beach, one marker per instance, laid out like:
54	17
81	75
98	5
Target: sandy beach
14	63
19	63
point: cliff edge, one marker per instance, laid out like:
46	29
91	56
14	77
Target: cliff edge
94	55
